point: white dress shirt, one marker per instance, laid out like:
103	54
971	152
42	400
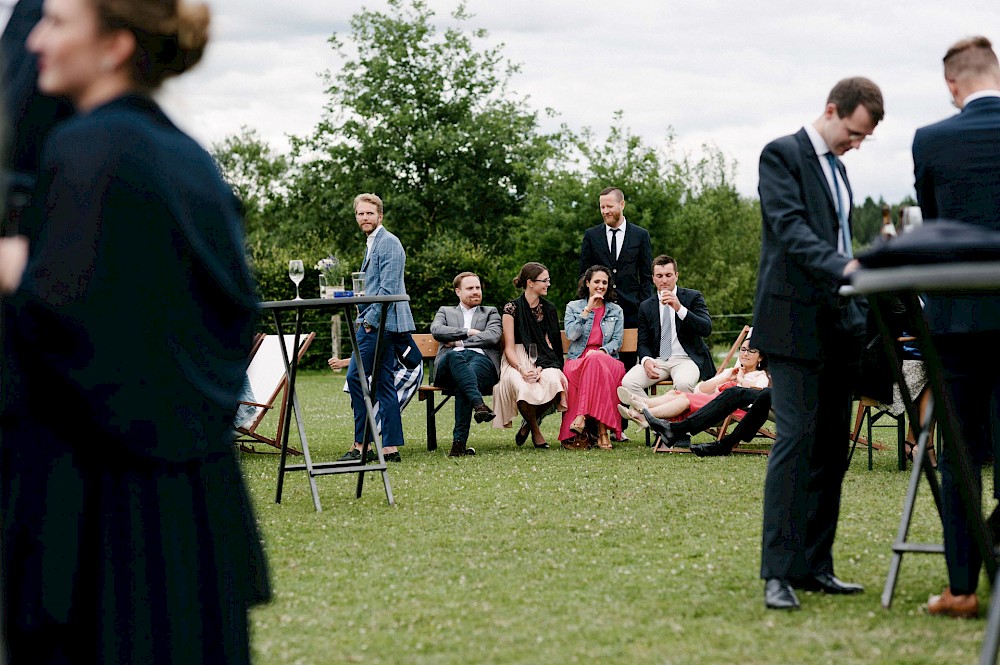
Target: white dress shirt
821	148
676	350
620	235
467	314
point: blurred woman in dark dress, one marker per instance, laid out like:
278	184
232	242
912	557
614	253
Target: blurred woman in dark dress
127	533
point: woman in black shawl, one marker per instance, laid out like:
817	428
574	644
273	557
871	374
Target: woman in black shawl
532	389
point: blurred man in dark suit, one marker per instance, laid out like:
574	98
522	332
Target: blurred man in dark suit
811	336
29	114
957	169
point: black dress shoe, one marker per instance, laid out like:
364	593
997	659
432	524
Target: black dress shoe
457	449
483	413
352	455
714	449
673	438
778	595
827	583
522	435
393	457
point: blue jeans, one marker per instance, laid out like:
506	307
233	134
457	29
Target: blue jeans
467	375
383	388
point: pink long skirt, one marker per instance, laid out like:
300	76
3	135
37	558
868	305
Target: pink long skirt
593	380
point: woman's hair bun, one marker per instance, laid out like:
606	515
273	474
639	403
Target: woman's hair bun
192	26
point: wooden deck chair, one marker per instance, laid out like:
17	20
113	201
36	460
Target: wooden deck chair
268	383
729	360
737	416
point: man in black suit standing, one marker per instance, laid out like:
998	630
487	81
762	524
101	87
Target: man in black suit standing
676	350
957	168
623	247
811	336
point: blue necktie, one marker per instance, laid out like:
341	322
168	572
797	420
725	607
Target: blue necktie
845	231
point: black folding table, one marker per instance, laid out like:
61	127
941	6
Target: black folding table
907	283
313	469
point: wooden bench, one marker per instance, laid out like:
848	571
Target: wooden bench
428	350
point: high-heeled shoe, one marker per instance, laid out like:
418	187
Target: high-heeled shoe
603	440
522	434
539	444
633	415
631	399
579	424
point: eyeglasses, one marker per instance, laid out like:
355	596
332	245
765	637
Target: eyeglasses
748	351
854	136
547	280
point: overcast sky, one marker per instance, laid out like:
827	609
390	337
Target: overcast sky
731	74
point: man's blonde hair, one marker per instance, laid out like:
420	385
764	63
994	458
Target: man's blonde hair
368	198
972	57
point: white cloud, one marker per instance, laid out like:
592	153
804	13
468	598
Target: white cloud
731	74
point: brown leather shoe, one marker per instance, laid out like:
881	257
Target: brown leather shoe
947	604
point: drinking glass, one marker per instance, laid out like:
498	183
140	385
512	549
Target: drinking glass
533	354
358	283
296	273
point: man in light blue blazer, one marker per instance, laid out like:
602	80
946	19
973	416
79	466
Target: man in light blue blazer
383	266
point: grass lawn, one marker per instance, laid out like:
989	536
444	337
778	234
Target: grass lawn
519	555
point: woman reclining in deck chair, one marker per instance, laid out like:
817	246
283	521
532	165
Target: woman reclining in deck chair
746	386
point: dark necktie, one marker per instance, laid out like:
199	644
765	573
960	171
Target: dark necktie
845	230
614	245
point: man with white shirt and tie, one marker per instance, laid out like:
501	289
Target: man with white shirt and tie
468	357
672	327
623	247
812	338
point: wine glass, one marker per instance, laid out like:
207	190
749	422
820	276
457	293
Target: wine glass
533	354
296	273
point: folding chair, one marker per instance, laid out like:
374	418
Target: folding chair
730	359
267	379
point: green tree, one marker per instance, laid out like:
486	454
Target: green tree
258	176
425	120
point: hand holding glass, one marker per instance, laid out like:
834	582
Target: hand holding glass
296	273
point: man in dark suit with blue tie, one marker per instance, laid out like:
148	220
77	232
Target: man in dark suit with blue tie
957	168
626	249
811	336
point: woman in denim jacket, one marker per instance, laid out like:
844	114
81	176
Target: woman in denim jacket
595	326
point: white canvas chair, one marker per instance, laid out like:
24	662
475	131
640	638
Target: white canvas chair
267	381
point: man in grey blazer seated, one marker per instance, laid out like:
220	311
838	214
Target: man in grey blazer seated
468	358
